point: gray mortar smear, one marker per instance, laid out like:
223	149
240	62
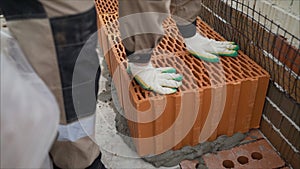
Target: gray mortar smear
172	157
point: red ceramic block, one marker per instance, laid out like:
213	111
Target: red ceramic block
254	155
215	98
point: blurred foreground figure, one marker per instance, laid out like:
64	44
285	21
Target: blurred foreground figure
56	39
29	114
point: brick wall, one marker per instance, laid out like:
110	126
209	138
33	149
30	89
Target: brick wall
290	6
285	13
280	124
281	115
262	28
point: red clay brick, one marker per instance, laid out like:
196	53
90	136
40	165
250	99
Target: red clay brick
296	160
266	128
275	139
254	155
297	140
266	109
285	127
296	114
245	83
293	137
274	94
274	115
287	105
287	54
285	150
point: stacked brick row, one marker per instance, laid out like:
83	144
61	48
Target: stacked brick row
280	124
236	87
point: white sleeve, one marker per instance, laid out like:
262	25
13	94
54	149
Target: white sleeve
29	112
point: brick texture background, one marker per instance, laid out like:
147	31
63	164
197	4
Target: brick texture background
286	13
281	115
280	124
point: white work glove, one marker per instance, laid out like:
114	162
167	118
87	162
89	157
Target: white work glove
160	80
207	49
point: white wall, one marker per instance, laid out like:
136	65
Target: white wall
285	13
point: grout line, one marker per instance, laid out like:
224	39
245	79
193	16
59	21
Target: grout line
281	135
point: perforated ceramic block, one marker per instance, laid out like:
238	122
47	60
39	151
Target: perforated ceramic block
215	98
160	113
109	37
253	155
107	6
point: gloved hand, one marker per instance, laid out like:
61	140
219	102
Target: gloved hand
160	80
208	49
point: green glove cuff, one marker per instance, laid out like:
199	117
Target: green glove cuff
205	58
171	70
231	54
236	48
180	78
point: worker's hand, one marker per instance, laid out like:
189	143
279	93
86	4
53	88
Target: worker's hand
209	49
160	80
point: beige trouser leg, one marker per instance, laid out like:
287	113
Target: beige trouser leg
187	10
132	25
35	36
141	30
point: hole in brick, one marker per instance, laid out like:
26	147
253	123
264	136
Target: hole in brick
256	156
178	47
171	44
178	42
243	160
143	94
195	73
206	81
236	74
169	48
160	63
171	40
195	67
228	164
169	62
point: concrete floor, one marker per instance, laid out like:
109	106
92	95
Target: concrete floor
115	153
